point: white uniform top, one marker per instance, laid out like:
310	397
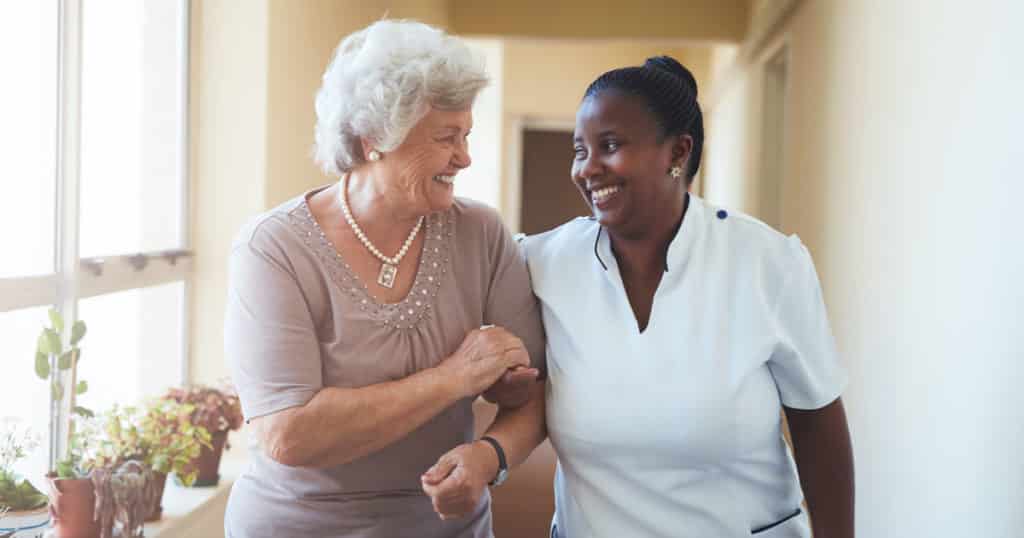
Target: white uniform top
676	431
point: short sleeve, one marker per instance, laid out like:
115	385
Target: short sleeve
510	301
271	347
804	363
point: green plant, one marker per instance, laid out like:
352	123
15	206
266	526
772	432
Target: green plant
161	436
52	359
110	438
170	440
215	409
82	446
16	494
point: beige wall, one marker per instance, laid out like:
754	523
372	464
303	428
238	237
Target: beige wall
482	180
698	20
902	178
228	117
732	153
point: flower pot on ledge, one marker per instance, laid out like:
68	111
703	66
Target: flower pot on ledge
72	504
208	462
156	510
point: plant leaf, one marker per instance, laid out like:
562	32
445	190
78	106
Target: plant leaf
56	320
57	391
161	463
82	387
65	469
77	332
64	362
83	412
42	366
43	344
54	338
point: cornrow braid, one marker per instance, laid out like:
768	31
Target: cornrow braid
670	92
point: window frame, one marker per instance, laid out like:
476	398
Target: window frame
74	278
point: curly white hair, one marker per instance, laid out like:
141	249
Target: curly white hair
382	80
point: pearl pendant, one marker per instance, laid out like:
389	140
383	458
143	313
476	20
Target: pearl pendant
387	276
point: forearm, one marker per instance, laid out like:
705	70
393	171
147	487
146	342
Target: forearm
504	399
519	430
340	425
824	459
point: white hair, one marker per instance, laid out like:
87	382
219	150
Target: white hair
382	81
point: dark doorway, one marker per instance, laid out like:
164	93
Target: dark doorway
549	197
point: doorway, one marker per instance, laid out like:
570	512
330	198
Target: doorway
549	198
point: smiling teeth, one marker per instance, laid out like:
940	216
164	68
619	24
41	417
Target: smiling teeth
445	179
601	195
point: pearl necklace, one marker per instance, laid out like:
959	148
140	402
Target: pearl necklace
389	267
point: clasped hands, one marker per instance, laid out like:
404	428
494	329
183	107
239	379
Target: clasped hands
494	362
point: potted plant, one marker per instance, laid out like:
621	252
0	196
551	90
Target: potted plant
219	411
168	443
125	486
23	511
72	500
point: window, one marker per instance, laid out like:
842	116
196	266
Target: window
28	51
92	200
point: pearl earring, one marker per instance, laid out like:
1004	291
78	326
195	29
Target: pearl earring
676	172
374	155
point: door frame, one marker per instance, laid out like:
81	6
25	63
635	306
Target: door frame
512	188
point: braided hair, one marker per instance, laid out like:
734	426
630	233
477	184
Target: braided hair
670	92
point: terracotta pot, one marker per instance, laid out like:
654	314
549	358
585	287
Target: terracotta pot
208	461
72	502
156	510
25	523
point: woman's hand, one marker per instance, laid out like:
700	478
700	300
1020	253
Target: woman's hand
513	388
484	356
455	484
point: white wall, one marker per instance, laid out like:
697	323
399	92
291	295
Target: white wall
731	152
902	139
482	180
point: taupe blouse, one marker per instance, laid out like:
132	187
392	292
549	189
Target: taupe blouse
299	320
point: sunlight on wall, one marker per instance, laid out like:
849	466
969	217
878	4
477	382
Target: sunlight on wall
482	180
901	176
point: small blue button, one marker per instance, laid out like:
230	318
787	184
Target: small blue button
722	214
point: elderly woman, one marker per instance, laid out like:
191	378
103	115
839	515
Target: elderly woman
364	317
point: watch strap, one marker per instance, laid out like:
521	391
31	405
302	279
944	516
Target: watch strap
502	462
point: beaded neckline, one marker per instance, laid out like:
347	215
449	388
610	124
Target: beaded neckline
417	304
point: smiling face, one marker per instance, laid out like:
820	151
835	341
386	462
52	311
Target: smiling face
421	172
622	168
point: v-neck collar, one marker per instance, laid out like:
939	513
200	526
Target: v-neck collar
679	253
678	250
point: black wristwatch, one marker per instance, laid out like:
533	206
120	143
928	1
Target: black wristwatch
502	463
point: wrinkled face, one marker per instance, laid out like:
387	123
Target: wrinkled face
420	173
620	167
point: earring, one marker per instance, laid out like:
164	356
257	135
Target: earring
676	172
374	155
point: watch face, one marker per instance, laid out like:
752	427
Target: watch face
502	475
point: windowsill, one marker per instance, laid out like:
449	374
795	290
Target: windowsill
184	505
